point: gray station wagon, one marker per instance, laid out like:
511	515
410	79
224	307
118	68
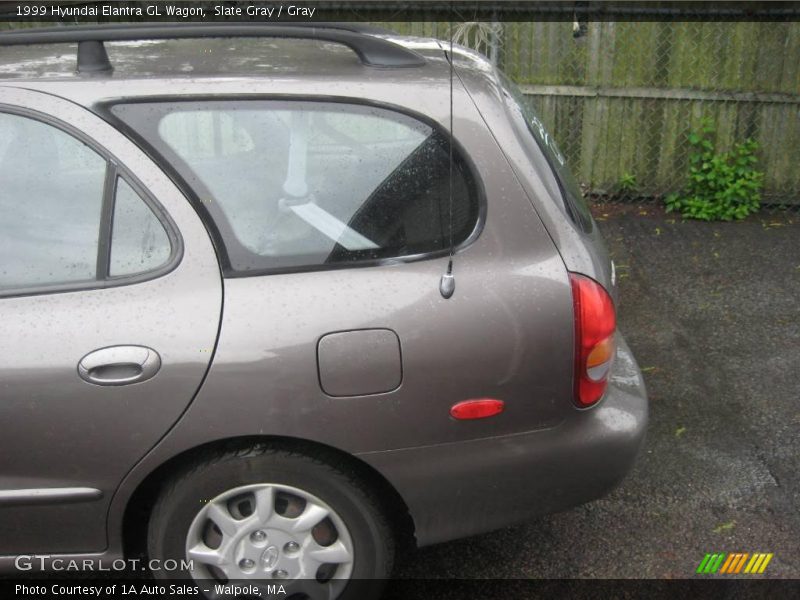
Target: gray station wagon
264	317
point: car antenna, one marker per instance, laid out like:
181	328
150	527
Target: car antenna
447	285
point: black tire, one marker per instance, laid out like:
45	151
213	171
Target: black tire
182	498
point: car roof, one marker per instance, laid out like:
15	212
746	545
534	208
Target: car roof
142	66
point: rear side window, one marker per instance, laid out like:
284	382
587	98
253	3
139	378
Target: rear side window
58	199
574	203
298	185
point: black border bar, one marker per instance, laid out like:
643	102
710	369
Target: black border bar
431	10
730	588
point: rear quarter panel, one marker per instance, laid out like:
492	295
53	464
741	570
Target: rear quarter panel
506	333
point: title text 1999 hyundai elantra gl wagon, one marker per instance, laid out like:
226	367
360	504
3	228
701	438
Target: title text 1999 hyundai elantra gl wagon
229	309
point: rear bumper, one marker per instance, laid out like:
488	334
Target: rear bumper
461	489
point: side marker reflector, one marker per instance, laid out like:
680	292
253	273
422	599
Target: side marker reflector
477	409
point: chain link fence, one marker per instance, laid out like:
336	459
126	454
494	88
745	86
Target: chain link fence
622	98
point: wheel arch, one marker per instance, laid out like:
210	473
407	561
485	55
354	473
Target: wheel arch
141	501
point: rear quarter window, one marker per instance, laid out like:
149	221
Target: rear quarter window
525	117
293	185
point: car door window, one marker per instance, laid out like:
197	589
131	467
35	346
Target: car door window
51	196
139	242
61	224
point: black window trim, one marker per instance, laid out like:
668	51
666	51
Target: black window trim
114	171
104	110
106	223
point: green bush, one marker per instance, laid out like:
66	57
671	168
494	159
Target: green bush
721	186
627	183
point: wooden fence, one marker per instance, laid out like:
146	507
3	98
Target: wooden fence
621	100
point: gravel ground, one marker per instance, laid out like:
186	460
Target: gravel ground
711	312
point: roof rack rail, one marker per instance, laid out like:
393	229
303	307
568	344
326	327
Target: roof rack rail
92	57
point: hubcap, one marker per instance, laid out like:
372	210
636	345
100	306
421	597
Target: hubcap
265	532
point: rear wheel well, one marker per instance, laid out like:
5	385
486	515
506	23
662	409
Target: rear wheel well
140	504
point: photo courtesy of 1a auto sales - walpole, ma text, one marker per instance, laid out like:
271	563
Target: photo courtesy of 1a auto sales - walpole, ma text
399	300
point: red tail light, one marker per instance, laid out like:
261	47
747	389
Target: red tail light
595	322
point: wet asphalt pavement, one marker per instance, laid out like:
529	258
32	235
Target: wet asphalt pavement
712	313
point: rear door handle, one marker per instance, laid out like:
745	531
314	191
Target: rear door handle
119	365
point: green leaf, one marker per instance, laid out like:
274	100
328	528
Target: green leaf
725	527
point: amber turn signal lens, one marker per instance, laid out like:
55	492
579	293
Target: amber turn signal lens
599	361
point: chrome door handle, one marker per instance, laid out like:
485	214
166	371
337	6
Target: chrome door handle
119	365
